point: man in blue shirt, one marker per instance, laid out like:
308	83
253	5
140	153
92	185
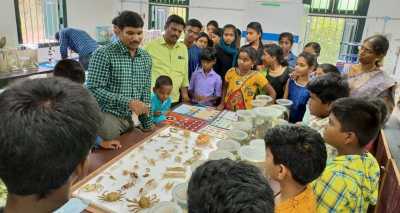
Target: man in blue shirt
193	28
78	41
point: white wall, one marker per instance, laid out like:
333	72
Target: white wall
389	8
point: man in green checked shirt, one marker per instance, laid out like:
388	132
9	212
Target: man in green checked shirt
119	76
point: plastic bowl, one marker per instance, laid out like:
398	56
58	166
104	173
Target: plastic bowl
220	154
179	194
254	156
259	103
238	135
285	102
228	145
258	143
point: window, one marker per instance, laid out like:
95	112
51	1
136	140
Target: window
338	26
39	20
159	11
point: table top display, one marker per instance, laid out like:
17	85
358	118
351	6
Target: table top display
148	173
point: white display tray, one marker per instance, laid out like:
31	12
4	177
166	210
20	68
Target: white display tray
176	144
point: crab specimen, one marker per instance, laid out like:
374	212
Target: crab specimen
144	202
151	161
111	176
165	135
168	186
150	184
111	196
203	139
136	166
173	130
146	175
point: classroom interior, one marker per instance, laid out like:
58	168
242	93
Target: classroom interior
156	142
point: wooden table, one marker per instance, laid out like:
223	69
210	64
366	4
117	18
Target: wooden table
101	156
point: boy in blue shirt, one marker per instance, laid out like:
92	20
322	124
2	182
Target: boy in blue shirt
160	99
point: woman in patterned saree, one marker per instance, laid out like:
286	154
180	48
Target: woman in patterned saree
367	78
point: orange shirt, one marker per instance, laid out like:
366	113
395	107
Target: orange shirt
304	202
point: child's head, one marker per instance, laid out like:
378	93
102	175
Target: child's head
384	113
305	64
204	41
216	36
353	123
294	153
286	41
48	127
163	87
70	69
212	26
313	48
247	58
326	68
208	57
273	53
229	186
229	34
324	90
254	32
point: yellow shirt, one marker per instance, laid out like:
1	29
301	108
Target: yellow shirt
248	84
304	202
172	62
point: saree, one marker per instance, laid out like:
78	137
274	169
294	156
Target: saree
242	89
371	84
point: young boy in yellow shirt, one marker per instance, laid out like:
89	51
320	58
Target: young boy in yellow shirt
295	156
350	181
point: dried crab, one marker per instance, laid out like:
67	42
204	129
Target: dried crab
144	202
112	196
151	161
128	185
203	139
173	130
164	154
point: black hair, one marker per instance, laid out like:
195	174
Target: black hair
115	21
251	52
316	46
257	27
208	54
299	148
380	46
47	126
70	69
276	51
329	68
129	19
329	87
57	36
219	32
209	41
383	110
194	23
358	115
231	26
163	80
213	23
311	60
174	19
287	35
223	186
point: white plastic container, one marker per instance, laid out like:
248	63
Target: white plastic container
179	195
254	156
259	103
239	136
220	154
246	115
269	99
166	207
228	145
287	104
258	143
245	126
